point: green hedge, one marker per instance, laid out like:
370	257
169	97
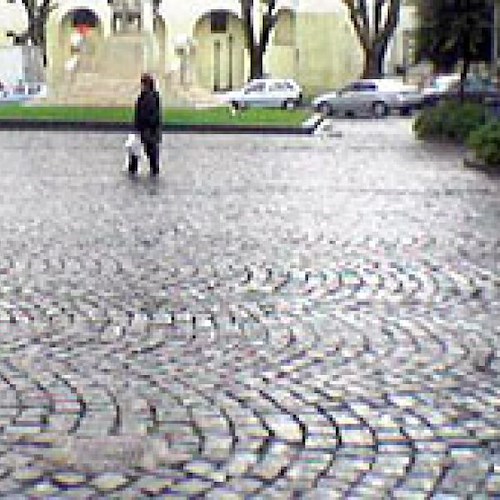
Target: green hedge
451	121
485	142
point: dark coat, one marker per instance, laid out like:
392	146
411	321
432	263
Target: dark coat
147	119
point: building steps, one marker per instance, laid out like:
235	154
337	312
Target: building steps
110	76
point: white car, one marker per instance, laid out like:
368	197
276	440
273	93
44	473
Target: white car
448	86
377	97
23	92
266	93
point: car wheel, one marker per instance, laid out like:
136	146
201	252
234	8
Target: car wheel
325	109
289	104
406	111
380	109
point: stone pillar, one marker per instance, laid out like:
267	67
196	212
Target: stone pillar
124	27
147	16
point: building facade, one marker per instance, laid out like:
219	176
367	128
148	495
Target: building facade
201	43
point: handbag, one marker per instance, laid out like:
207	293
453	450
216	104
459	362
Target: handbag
133	148
133	145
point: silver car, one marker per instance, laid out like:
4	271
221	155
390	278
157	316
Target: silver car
370	97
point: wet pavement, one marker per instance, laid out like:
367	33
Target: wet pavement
277	317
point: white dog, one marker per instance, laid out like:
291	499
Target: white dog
133	148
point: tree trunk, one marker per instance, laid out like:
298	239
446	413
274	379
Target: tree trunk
35	34
32	29
466	58
374	62
463	77
256	62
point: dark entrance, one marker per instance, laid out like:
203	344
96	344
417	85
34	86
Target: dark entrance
84	17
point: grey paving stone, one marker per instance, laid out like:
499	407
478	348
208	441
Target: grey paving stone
191	487
109	482
68	479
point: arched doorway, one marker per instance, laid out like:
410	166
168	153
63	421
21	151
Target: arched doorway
80	34
220	50
84	17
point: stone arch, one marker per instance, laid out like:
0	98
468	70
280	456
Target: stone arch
85	22
62	23
84	17
281	55
219	42
98	8
217	6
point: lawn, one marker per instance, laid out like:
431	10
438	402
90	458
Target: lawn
174	116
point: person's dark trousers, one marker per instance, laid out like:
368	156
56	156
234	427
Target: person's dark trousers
153	153
133	164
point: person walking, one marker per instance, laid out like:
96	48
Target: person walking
147	122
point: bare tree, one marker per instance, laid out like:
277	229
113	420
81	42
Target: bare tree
257	43
374	22
38	12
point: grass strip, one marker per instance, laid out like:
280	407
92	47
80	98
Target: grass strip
177	116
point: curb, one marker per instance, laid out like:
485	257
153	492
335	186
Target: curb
307	128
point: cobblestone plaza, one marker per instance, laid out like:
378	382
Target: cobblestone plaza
277	317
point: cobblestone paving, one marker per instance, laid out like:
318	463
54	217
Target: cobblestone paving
277	317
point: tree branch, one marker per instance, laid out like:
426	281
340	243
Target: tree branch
391	22
269	21
247	18
359	19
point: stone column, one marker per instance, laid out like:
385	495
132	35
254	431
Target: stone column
147	16
151	55
124	18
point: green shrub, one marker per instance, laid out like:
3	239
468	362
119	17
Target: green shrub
451	121
485	142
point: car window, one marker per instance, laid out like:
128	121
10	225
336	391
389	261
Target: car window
472	85
444	83
352	87
255	87
361	87
278	87
367	86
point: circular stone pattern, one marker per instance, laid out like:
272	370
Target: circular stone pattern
273	318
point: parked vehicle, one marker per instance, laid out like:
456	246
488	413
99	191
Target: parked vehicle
22	92
266	93
443	87
376	97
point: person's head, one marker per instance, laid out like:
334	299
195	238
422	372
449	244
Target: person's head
147	82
